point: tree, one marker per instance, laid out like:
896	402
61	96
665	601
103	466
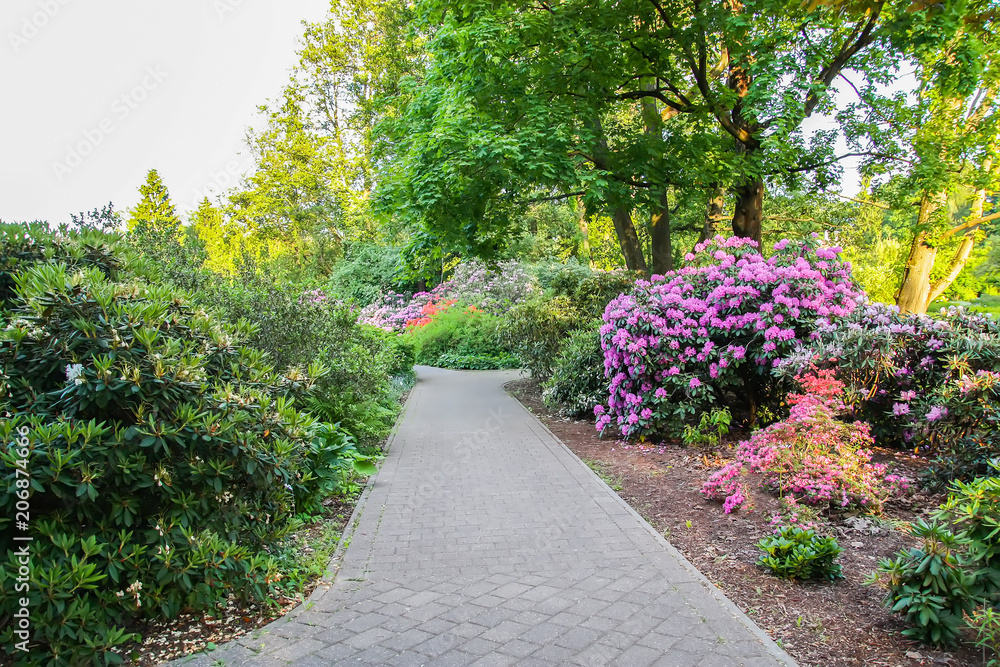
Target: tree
955	137
631	103
156	233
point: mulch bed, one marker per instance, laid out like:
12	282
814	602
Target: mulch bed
819	624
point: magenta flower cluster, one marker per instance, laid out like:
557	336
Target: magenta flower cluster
676	342
811	456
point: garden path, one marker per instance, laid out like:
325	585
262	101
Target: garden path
485	541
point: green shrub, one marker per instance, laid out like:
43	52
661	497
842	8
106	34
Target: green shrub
986	622
797	553
536	330
291	329
711	428
930	585
577	382
367	272
561	278
461	331
956	570
358	392
593	294
165	458
478	362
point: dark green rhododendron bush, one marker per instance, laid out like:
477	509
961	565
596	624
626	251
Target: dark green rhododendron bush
166	460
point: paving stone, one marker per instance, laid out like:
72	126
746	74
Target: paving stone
484	541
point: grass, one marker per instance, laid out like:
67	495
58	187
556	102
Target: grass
601	470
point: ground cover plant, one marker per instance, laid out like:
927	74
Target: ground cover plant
168	460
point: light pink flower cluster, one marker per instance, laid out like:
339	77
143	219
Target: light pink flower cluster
718	324
810	456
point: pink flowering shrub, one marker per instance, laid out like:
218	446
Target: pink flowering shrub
491	290
811	456
931	383
681	343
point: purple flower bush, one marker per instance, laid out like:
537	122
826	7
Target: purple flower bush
931	383
472	282
678	344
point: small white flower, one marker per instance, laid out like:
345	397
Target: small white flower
73	373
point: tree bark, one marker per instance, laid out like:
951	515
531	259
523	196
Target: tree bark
621	214
914	291
628	239
662	247
748	216
584	226
713	212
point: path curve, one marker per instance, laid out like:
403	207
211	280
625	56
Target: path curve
484	541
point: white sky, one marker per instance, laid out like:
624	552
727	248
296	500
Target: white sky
169	84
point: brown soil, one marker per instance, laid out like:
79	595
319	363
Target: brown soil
843	623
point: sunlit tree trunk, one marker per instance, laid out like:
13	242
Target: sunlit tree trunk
662	246
628	239
749	214
915	289
713	212
584	227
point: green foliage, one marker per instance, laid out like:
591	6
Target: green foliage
711	428
955	570
156	233
459	334
796	553
929	585
577	382
986	622
166	460
369	369
478	362
367	272
536	329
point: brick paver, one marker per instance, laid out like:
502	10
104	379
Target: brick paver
485	541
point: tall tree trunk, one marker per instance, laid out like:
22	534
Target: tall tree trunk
713	212
961	257
584	226
628	239
662	248
661	245
621	214
748	216
913	293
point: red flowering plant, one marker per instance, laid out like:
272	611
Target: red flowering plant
428	311
811	456
679	344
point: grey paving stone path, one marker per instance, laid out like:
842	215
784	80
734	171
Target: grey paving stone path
484	541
